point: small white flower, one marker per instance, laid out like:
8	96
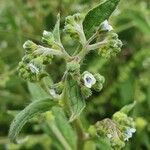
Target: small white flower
33	68
45	33
106	26
109	136
53	93
89	79
129	133
133	130
25	44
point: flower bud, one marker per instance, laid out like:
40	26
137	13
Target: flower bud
99	82
98	87
69	20
27	58
73	66
29	46
33	68
48	38
110	49
78	17
73	25
58	88
86	92
99	78
47	59
31	71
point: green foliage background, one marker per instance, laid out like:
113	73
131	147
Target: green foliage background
127	75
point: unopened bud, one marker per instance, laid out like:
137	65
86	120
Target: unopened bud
86	92
29	46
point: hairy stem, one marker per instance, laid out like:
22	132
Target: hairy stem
80	133
50	51
96	45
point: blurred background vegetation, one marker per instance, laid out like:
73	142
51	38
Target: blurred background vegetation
127	75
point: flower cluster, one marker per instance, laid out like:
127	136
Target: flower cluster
31	66
112	47
91	81
74	27
125	123
118	129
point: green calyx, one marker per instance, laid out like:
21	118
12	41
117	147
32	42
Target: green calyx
73	67
118	130
86	92
98	86
48	38
73	25
112	47
29	46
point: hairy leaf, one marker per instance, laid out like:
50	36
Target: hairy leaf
36	91
126	109
97	15
74	98
61	131
56	30
35	108
103	143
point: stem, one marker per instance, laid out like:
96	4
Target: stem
62	49
80	133
50	51
76	123
92	38
59	136
96	45
79	28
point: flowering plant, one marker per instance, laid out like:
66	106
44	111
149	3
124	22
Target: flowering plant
59	105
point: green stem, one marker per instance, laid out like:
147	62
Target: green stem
59	136
76	123
80	133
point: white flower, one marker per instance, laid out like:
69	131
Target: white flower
33	68
106	26
53	93
128	133
109	136
89	79
45	33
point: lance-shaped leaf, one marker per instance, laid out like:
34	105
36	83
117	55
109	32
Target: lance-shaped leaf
37	92
97	15
61	130
126	109
102	143
34	109
74	98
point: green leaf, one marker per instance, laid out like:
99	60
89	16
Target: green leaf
74	98
97	15
56	31
62	130
126	109
103	143
34	109
37	92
